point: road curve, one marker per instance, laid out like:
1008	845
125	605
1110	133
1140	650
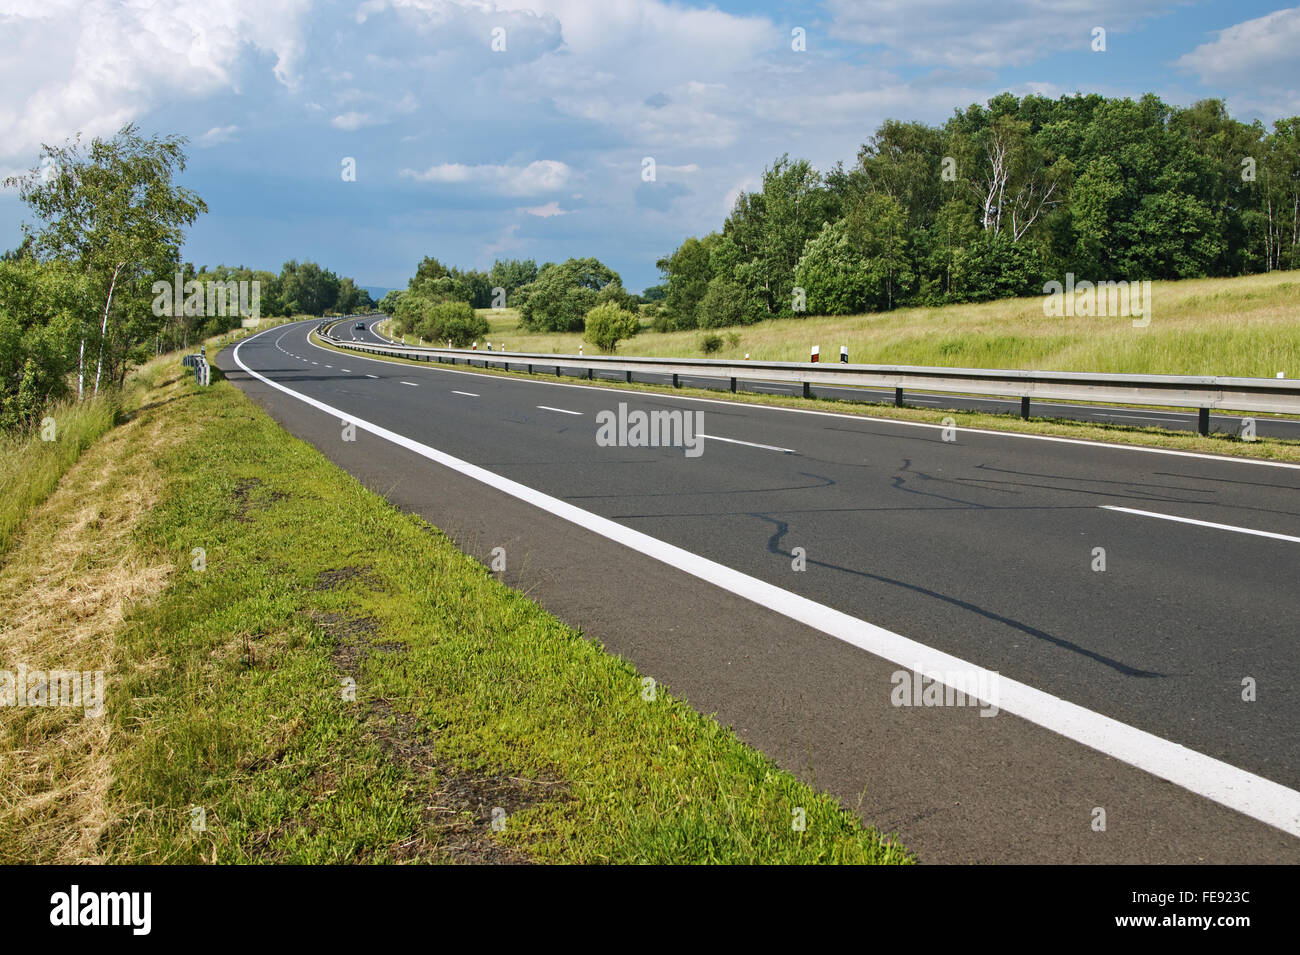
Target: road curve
983	549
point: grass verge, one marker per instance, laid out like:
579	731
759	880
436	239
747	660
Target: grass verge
297	672
1228	445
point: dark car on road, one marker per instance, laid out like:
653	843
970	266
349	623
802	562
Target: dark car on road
360	326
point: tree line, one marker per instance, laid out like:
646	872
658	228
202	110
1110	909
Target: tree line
87	292
993	203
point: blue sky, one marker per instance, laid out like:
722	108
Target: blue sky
535	151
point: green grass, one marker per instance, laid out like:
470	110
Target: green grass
30	467
468	696
1248	326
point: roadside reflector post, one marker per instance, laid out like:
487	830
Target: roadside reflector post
475	348
844	354
816	353
1203	421
746	356
1024	407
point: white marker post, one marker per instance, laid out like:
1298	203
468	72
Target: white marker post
844	354
816	353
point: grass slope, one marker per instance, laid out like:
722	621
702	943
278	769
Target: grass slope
339	683
1248	326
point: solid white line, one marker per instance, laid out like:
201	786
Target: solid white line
467	394
411	383
560	410
1188	520
750	444
1251	795
874	420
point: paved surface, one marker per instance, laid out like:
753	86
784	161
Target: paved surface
981	547
1269	426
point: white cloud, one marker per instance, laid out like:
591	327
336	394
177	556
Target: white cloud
544	175
546	211
1259	58
353	120
962	34
218	134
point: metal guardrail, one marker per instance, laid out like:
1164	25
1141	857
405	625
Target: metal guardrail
1203	392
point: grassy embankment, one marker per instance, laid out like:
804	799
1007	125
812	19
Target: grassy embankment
1247	326
228	687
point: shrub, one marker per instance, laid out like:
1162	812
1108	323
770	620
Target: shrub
711	343
607	324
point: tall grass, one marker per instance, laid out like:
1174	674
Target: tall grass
1248	326
31	466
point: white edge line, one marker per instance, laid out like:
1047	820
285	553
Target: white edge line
467	394
860	417
748	444
411	383
1235	788
1188	520
560	410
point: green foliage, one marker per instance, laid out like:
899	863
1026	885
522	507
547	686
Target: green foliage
832	275
114	213
440	321
725	303
711	343
607	324
998	198
563	294
388	304
41	305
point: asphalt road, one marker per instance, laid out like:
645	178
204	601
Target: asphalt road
1266	426
983	548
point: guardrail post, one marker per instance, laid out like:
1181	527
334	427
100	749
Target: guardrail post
530	368
807	390
676	380
1024	407
589	373
733	386
629	377
1203	421
557	371
898	397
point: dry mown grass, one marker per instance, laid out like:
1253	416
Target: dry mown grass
66	586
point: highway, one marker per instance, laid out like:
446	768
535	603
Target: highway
981	550
1266	426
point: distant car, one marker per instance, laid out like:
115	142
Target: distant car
360	326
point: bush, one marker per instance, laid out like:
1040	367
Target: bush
456	322
710	344
725	303
607	324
